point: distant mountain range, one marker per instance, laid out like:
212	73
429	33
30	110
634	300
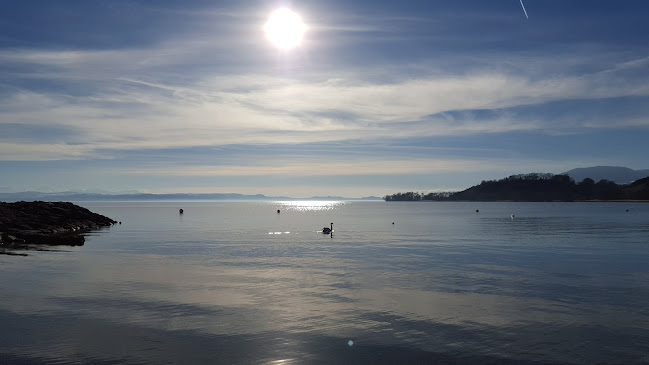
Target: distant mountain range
617	174
77	197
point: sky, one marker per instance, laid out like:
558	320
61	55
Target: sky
189	96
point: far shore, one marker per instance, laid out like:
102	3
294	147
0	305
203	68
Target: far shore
524	201
612	201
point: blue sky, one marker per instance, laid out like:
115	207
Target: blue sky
380	96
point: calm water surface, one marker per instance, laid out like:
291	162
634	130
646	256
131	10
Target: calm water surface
235	282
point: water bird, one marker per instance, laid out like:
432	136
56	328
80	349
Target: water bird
181	211
327	230
477	210
277	211
512	215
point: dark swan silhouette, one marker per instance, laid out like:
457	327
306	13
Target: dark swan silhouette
327	230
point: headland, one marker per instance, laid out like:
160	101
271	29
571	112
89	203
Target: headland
23	224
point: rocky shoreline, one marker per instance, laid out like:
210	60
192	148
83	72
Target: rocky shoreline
23	224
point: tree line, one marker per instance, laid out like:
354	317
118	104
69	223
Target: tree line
415	196
536	187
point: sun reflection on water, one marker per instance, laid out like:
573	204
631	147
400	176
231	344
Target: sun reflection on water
311	205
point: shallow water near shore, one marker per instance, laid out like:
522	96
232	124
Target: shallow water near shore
237	282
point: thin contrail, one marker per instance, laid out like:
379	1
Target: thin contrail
524	10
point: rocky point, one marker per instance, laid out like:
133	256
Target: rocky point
46	223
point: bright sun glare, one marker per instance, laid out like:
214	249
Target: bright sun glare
284	29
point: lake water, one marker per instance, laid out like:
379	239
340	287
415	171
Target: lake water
236	282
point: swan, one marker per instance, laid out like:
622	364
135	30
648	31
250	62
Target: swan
327	230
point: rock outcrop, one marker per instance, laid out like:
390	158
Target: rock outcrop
46	223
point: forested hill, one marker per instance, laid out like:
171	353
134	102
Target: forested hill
537	187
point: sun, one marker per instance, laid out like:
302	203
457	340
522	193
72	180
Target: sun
284	29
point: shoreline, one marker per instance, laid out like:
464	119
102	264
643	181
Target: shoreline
26	224
521	201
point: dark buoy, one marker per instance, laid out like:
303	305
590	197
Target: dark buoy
181	211
277	211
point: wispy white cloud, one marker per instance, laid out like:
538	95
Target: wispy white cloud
131	113
43	152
